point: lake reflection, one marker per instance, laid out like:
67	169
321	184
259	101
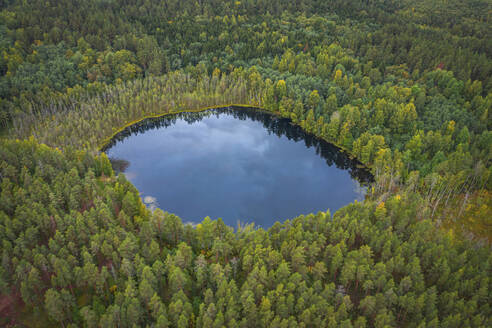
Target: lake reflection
241	165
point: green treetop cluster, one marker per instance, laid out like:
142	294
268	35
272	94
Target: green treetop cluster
79	248
404	86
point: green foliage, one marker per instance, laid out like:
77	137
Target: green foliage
370	264
404	86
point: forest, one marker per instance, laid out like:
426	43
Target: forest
405	87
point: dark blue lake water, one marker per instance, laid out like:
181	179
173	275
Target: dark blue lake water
241	165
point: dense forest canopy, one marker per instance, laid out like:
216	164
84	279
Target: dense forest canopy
403	86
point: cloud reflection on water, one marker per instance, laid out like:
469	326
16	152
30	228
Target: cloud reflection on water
237	169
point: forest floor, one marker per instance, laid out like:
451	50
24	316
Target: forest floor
9	305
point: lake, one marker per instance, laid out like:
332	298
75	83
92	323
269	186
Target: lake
241	165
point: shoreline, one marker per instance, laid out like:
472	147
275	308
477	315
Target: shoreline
105	143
